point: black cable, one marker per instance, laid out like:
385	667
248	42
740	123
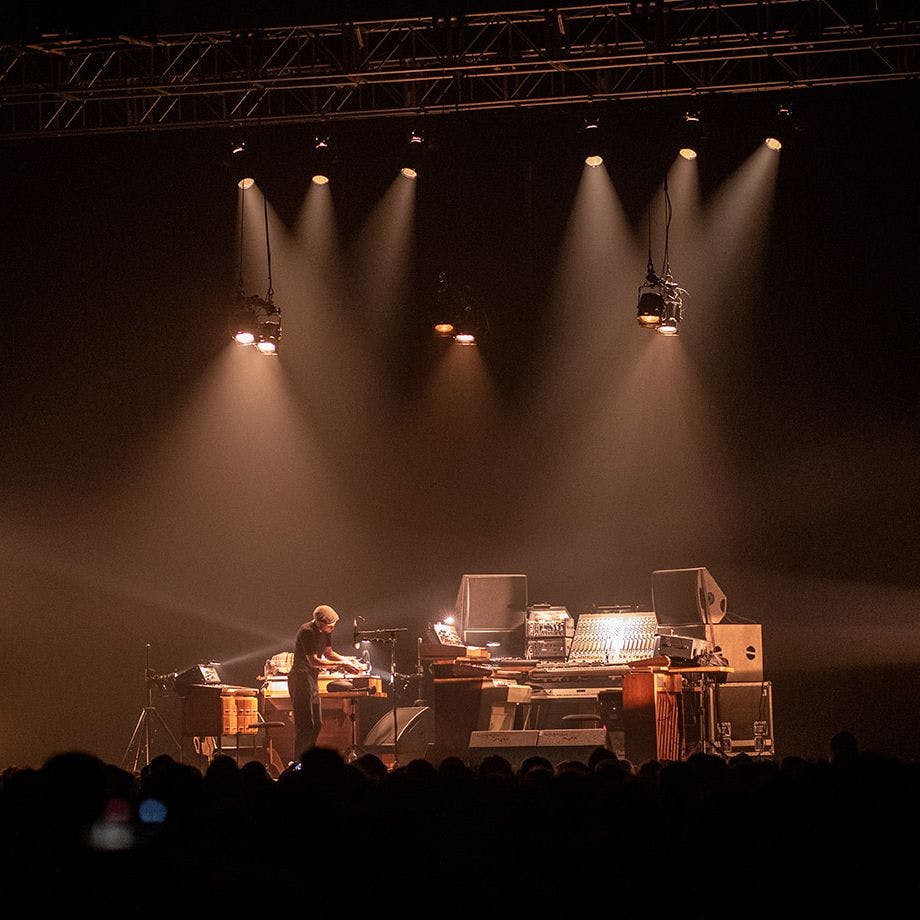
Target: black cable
651	266
268	250
668	212
242	205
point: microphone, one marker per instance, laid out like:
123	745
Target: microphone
355	639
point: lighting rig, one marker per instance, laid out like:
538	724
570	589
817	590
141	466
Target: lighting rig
661	299
257	320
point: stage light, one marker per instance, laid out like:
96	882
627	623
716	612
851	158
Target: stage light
651	306
782	126
245	323
270	333
691	133
668	327
592	140
322	159
470	325
241	164
660	305
444	310
256	321
412	156
456	314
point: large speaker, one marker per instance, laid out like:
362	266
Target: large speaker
492	602
415	727
742	646
687	600
741	718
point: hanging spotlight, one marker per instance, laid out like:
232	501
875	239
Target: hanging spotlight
241	164
244	325
651	303
466	330
672	301
691	134
471	325
456	315
443	316
782	123
592	141
412	158
256	320
322	159
270	331
661	299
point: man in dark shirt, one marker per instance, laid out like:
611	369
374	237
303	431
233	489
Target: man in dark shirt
312	652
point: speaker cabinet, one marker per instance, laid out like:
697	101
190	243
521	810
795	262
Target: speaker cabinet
687	600
492	602
742	645
741	718
415	727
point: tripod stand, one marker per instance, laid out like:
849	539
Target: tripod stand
140	739
388	636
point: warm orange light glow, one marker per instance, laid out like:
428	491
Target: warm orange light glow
594	161
648	319
444	328
773	143
320	179
409	172
246	183
688	153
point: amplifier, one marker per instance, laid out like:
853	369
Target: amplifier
545	649
680	648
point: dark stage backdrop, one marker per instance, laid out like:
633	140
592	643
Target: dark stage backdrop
161	486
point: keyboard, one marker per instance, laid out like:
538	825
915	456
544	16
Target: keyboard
569	670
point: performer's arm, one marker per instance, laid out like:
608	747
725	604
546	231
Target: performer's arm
332	659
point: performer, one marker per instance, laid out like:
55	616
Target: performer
312	652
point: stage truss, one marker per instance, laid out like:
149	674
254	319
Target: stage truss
648	49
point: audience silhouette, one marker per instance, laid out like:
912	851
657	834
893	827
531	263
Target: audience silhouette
706	833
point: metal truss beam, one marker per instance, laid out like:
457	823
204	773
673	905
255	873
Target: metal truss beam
643	49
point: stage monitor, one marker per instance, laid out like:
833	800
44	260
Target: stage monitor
685	599
491	602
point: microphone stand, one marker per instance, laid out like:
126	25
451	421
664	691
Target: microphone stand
140	739
388	636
